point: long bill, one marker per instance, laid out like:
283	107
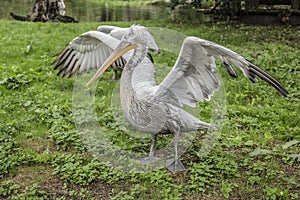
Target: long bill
121	49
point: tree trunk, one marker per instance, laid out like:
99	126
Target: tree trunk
46	10
39	12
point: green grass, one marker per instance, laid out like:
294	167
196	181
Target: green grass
42	157
124	2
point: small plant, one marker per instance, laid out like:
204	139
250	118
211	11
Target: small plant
8	188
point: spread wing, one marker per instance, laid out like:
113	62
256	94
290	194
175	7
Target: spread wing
192	78
86	52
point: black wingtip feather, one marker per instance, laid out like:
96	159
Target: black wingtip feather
230	70
73	72
252	77
62	53
62	58
268	78
64	75
59	72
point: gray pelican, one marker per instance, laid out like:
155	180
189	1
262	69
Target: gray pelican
158	108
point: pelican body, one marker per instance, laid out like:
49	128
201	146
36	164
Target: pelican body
158	108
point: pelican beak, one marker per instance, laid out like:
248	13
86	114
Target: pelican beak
120	50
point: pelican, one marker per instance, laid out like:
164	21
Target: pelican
158	108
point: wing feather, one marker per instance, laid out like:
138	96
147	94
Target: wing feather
75	68
85	52
70	67
192	78
68	61
93	61
88	62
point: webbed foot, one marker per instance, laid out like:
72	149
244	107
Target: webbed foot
175	165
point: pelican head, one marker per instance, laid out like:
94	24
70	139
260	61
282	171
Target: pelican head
137	38
140	36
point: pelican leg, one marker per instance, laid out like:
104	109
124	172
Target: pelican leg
153	145
175	165
151	158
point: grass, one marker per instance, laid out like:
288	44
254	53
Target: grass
124	2
42	157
